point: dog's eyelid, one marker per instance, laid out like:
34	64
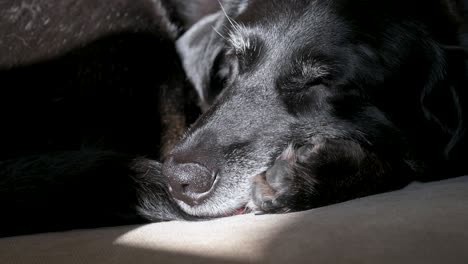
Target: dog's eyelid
307	74
316	82
230	52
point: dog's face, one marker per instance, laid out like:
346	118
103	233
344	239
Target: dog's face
282	72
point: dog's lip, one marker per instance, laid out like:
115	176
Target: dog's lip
241	211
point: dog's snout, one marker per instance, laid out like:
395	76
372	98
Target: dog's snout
189	182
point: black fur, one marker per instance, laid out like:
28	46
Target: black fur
92	92
81	189
368	95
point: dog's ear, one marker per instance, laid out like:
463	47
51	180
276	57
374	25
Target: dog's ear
187	13
201	50
235	7
198	48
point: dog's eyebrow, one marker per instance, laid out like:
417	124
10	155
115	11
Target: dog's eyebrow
315	69
235	37
314	63
239	41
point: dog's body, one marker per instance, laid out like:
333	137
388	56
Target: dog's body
89	88
321	101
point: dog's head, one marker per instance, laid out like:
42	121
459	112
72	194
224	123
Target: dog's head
269	73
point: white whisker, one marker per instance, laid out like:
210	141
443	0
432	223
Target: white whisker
219	33
236	39
225	14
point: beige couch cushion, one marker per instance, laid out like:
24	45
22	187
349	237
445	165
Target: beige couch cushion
424	223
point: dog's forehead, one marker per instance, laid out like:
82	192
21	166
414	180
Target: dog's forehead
293	25
300	40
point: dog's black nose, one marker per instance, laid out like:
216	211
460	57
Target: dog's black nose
189	182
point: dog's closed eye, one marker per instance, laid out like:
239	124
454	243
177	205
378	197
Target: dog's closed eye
246	50
305	75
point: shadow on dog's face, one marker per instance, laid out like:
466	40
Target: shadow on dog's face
271	73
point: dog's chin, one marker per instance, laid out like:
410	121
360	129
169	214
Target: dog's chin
207	211
220	204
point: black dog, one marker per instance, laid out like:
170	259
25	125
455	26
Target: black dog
89	88
315	102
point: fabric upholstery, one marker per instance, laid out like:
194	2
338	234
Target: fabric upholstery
423	223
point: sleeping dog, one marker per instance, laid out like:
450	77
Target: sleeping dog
309	103
306	103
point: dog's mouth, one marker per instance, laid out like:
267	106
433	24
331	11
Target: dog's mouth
214	204
240	211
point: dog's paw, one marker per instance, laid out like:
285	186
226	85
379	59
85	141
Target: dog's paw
272	189
278	190
322	172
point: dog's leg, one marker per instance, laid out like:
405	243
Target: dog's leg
328	171
81	189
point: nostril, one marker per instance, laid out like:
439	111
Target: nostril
185	187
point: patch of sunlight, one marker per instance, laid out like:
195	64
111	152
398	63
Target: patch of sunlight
239	238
